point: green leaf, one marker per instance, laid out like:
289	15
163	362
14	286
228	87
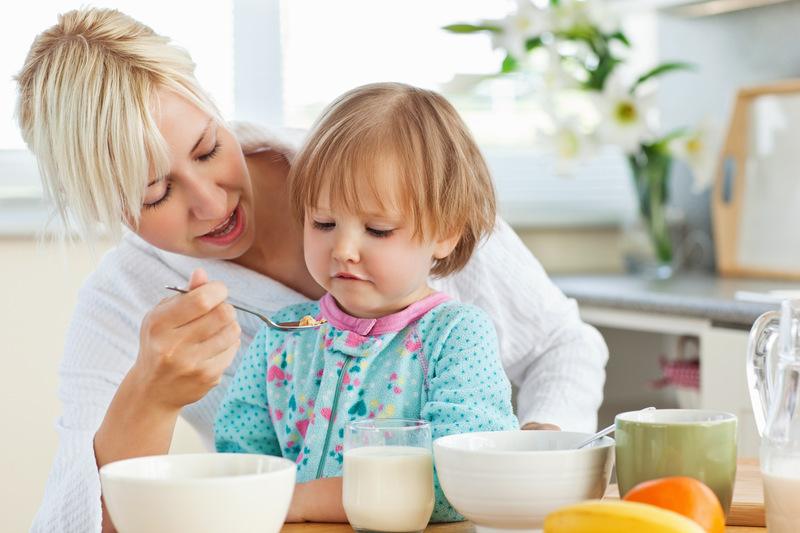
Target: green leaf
581	32
532	43
659	70
597	77
661	145
621	37
510	64
471	28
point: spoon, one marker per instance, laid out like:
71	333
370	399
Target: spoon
603	432
283	326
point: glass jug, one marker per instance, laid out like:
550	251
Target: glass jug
773	377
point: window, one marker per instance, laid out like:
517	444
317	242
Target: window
281	61
330	47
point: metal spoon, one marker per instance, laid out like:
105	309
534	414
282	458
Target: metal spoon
603	432
283	326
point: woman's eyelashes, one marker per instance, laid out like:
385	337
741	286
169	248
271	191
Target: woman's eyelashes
205	157
161	200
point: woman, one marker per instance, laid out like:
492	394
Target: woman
123	133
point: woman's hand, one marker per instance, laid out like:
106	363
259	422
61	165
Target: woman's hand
537	425
186	343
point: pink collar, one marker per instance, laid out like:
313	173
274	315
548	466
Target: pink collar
378	326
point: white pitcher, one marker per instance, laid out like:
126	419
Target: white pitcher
773	376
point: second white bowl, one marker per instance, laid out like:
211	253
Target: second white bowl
513	479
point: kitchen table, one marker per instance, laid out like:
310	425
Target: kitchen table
747	510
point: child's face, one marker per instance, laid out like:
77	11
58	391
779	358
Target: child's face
369	262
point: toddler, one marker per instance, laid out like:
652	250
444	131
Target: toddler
391	189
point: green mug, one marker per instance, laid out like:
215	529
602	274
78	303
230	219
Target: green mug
677	442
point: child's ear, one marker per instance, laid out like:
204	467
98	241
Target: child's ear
445	247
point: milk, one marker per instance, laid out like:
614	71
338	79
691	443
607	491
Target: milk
782	503
388	488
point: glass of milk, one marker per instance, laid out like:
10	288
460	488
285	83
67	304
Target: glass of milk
388	475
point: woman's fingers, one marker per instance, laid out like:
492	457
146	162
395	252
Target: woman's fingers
213	368
538	426
198	277
219	341
185	308
209	324
187	342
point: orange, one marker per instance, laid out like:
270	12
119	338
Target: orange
684	495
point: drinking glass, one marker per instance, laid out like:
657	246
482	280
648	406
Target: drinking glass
388	475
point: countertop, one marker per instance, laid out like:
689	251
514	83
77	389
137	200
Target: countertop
687	295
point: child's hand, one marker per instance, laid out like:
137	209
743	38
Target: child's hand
317	501
537	425
186	343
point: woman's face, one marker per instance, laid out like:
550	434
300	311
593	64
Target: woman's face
204	206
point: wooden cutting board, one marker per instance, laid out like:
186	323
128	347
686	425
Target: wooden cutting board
747	508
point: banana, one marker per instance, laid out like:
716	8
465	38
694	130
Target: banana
595	516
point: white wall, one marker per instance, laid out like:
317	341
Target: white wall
39	287
730	51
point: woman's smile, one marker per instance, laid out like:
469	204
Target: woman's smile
229	230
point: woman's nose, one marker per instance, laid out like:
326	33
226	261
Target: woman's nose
209	201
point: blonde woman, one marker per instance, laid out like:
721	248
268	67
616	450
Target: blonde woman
126	138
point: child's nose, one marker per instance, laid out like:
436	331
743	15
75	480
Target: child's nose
346	249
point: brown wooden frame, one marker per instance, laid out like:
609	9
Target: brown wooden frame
726	216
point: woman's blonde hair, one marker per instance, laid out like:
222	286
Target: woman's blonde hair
446	189
87	108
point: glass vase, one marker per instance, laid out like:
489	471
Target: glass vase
650	171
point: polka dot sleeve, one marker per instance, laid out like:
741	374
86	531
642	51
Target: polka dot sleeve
469	389
243	424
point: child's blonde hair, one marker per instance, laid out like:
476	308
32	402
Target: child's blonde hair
446	188
87	108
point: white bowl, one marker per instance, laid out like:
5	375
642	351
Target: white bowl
513	479
201	493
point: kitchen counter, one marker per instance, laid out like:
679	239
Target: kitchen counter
692	295
699	307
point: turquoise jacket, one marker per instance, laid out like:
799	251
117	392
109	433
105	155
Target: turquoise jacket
436	360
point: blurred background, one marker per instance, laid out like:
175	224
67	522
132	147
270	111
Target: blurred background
676	338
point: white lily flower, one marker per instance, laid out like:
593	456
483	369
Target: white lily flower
554	76
699	150
601	15
568	14
570	144
525	22
624	116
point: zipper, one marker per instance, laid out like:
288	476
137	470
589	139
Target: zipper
334	406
